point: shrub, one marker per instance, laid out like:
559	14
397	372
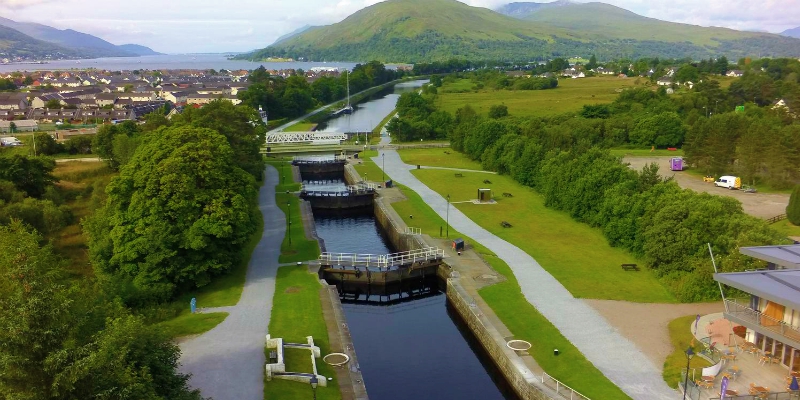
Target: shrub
793	209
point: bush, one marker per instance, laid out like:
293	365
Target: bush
793	209
498	111
79	144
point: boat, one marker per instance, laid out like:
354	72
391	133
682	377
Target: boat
348	109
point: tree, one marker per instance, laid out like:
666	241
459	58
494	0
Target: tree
12	127
177	214
687	73
498	111
103	142
47	145
592	64
31	175
53	103
793	209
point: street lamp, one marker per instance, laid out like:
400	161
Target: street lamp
383	170
289	224
314	383
448	217
689	355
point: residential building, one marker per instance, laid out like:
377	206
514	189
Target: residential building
22	125
735	73
771	308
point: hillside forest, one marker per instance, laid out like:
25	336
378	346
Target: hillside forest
566	159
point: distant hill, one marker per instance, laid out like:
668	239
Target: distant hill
83	43
794	32
426	30
291	34
14	43
139	50
524	9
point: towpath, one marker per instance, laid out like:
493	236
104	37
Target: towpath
227	362
614	355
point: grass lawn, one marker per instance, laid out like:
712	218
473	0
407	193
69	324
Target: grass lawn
297	313
574	253
681	337
786	228
301	127
438	157
368	170
301	249
191	324
77	182
519	316
646	152
570	95
298	360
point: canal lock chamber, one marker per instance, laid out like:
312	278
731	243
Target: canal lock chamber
410	342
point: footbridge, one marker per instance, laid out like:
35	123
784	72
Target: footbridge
356	196
380	269
277	138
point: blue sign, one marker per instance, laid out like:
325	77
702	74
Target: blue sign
193	304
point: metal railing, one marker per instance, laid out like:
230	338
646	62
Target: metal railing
562	389
748	315
413	231
361	188
382	260
765	396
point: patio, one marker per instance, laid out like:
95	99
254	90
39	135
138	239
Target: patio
764	373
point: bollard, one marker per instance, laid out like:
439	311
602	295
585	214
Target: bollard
555	352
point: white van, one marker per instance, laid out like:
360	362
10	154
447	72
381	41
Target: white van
10	142
730	182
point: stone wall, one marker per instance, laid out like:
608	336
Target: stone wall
394	228
351	176
519	377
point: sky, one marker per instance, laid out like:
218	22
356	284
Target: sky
198	26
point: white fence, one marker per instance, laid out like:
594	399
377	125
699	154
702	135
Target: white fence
382	260
562	389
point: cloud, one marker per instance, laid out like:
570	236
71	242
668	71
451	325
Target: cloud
19	4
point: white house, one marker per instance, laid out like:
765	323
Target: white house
735	73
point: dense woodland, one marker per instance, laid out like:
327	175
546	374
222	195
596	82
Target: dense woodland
177	214
565	159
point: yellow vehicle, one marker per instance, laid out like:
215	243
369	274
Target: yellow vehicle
708	179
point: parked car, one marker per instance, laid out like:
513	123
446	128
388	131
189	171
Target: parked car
730	182
10	142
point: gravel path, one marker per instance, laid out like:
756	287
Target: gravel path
227	362
613	354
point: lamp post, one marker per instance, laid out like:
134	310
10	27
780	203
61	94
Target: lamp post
689	354
314	383
383	172
289	221
447	220
283	174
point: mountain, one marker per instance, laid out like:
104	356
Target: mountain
523	9
14	43
427	30
84	44
292	33
139	50
794	32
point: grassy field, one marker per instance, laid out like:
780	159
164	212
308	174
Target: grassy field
439	157
301	127
297	313
574	253
191	324
368	170
77	181
681	337
300	249
521	318
786	228
646	153
571	95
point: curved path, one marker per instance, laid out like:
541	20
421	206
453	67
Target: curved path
227	362
615	356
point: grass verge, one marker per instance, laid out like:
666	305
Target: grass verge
575	254
620	152
519	316
297	313
191	324
681	337
301	127
438	157
786	228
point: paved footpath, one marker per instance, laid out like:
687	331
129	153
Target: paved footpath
227	362
615	356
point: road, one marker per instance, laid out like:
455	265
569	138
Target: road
227	362
761	205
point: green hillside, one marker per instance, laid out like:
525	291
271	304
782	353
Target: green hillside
17	44
426	30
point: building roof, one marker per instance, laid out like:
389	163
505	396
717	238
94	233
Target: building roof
780	286
786	256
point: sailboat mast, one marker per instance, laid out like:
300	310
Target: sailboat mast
348	88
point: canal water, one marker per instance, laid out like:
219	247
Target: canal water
410	343
368	114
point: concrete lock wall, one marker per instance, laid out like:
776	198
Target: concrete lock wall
519	377
351	175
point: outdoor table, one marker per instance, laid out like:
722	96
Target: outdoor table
760	389
708	378
795	374
731	392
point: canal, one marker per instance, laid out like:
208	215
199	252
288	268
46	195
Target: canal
370	113
410	344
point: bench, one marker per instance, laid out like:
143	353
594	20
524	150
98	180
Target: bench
505	224
487	181
506	194
630	267
459	175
